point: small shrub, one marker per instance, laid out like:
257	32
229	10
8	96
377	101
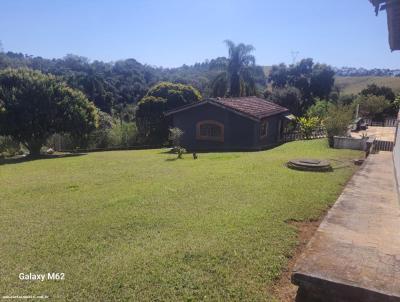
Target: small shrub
337	121
175	135
9	147
308	125
319	109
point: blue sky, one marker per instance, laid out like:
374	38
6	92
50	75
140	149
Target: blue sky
174	32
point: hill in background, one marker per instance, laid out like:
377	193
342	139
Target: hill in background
353	85
358	79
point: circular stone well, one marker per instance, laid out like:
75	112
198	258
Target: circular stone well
307	164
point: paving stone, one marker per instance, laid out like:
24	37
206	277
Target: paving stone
355	253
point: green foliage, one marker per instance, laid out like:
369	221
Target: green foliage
308	125
175	95
220	85
337	121
321	81
175	135
117	134
9	147
106	84
371	105
240	76
312	80
127	81
347	99
289	97
110	133
33	106
385	92
150	119
396	103
319	109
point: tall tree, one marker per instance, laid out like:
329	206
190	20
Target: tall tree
164	96
33	106
240	59
314	81
239	76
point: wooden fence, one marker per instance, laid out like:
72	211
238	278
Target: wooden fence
298	135
389	122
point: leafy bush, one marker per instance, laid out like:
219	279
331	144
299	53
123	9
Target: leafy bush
385	92
337	121
175	135
308	125
9	147
319	110
110	133
372	105
289	97
123	134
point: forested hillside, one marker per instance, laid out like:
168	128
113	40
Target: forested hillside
121	82
133	97
127	81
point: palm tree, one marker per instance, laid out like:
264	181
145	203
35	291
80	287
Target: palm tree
237	78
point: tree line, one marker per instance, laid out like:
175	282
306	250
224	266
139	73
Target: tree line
97	104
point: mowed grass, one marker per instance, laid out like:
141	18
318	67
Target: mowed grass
140	226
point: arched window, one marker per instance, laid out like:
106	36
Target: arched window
210	130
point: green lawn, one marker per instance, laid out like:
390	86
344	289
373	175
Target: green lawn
137	225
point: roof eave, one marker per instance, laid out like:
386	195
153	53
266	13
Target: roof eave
213	102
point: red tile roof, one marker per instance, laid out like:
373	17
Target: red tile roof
252	106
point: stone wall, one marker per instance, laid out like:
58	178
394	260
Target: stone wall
342	142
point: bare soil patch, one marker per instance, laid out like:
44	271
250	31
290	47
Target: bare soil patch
283	289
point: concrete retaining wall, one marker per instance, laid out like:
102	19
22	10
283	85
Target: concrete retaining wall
341	142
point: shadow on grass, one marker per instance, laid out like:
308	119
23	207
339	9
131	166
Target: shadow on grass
23	159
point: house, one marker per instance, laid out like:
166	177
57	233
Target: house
245	123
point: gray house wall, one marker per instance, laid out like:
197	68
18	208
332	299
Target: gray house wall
240	132
272	137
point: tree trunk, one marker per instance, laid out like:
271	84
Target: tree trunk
235	85
34	148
